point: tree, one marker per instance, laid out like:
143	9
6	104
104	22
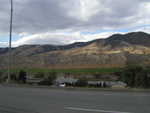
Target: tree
82	82
13	77
97	75
22	76
49	79
136	76
1	76
40	75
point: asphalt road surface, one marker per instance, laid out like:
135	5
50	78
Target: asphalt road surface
36	100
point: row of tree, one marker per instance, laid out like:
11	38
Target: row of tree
22	77
136	76
133	76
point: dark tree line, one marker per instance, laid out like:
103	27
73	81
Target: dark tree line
48	79
15	77
136	76
22	76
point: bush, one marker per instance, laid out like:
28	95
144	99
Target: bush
13	77
39	75
49	79
82	82
1	77
4	77
22	76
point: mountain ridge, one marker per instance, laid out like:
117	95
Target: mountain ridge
115	51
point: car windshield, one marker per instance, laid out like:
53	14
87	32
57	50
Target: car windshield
74	56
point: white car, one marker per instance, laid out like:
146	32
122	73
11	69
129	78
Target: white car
62	85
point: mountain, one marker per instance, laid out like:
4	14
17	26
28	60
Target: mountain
136	38
115	51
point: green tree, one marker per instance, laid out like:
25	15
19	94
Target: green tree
136	76
82	82
39	75
49	79
22	76
13	77
1	77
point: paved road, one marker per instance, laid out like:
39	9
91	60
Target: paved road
36	100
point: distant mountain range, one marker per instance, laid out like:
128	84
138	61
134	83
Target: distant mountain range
115	51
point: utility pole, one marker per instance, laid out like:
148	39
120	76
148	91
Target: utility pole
10	43
145	20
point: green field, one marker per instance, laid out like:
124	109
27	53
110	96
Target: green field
71	71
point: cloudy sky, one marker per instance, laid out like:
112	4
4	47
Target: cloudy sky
66	21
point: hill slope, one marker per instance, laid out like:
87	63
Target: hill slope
114	51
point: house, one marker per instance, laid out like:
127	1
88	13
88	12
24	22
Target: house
119	84
65	80
107	84
31	80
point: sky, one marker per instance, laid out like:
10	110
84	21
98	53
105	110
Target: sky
60	22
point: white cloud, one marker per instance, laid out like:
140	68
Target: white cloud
37	16
59	38
144	29
82	9
66	37
23	34
63	21
3	44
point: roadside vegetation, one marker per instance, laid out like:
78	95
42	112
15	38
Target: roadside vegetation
134	76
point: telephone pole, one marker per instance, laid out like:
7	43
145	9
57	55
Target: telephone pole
10	43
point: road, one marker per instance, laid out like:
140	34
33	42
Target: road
38	100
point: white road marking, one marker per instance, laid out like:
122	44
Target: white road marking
134	95
93	110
